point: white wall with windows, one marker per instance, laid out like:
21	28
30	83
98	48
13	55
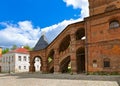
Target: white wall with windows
22	62
18	62
8	64
15	62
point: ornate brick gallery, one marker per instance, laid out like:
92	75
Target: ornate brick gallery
91	45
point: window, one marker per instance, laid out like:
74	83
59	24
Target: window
19	58
94	63
25	58
24	67
114	24
106	62
20	67
3	59
12	58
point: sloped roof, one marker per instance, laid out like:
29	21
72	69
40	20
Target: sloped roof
20	50
41	44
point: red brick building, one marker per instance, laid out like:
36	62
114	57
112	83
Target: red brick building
98	52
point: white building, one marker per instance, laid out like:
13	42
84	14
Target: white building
17	61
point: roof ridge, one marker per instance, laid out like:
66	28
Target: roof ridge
42	43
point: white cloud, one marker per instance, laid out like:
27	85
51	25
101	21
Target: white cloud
24	32
20	34
81	4
54	30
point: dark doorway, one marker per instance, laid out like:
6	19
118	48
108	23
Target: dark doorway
65	66
80	60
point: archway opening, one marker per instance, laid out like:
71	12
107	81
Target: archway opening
80	55
51	61
51	56
65	65
64	44
38	64
80	34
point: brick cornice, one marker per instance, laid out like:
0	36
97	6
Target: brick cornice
102	15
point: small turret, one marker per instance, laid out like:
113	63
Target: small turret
42	43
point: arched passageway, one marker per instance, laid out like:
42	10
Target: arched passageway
64	44
37	61
80	55
51	61
65	65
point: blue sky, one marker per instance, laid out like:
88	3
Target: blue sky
23	21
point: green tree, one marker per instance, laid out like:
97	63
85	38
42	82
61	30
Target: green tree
14	47
5	50
27	47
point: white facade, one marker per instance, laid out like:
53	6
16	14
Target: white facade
18	61
15	62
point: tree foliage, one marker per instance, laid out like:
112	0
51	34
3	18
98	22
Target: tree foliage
5	50
14	47
27	47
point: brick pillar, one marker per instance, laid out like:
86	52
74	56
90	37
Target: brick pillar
73	53
32	67
44	67
56	62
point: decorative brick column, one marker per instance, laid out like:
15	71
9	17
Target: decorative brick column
45	67
32	67
56	62
73	54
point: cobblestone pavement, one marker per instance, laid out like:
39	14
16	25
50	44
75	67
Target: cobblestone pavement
37	79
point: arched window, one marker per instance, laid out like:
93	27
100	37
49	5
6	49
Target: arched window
80	34
95	61
106	63
114	24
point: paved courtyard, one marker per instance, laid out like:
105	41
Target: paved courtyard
36	79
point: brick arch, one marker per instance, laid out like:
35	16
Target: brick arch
80	33
114	18
64	64
51	54
32	62
41	55
65	42
41	61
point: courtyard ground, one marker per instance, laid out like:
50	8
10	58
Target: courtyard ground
37	79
